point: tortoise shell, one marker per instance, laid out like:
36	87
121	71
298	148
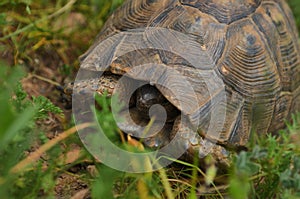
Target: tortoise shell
253	48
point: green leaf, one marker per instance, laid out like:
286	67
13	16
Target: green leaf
103	186
16	126
245	165
28	9
239	187
44	106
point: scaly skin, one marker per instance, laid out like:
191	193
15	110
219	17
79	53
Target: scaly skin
187	138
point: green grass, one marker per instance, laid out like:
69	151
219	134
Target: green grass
18	132
33	30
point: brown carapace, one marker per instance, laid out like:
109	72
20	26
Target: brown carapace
253	48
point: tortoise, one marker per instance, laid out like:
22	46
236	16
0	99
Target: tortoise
252	46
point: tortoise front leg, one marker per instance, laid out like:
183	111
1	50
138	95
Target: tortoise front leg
187	139
105	83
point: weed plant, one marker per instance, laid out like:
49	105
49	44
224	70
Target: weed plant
28	30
